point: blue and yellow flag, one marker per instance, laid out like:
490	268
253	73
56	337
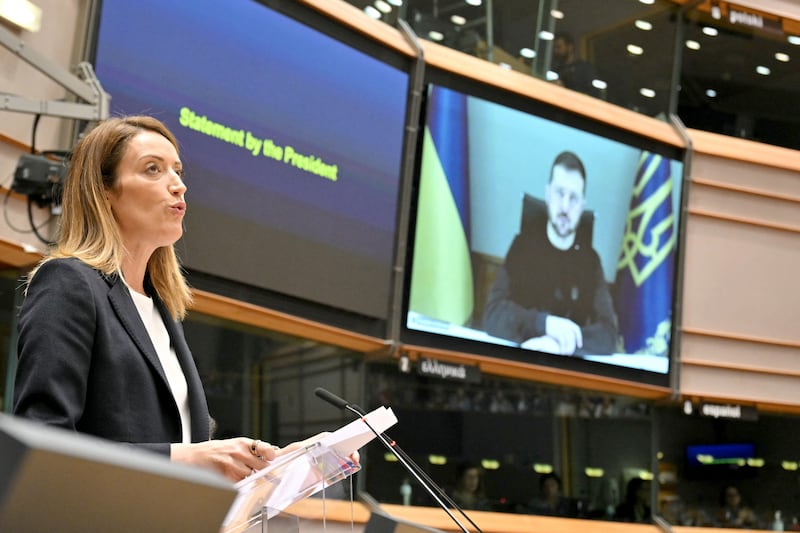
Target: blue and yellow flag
647	261
441	282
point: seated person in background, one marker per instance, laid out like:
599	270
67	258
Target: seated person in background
733	513
636	507
469	492
550	502
551	295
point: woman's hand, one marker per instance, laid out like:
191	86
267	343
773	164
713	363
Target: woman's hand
234	458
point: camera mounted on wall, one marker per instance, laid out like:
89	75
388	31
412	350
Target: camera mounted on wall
41	177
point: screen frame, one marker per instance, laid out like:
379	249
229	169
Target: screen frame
377	48
477	350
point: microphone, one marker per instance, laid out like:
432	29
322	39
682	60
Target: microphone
414	469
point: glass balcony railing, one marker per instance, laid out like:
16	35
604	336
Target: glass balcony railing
719	67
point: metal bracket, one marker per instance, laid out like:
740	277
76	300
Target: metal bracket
86	86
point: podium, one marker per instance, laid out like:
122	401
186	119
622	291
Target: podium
286	480
52	479
302	472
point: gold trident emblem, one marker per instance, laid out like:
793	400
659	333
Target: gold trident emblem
652	241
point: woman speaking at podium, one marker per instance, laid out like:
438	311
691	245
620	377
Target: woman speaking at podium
101	346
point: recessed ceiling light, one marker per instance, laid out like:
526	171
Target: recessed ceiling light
711	93
546	35
643	25
599	84
372	12
436	35
648	2
474	2
793	39
635	50
382	6
648	93
557	14
458	20
711	32
764	71
527	53
396	3
783	58
692	45
22	13
551	76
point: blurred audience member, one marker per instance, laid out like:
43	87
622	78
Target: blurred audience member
636	507
733	512
469	492
550	500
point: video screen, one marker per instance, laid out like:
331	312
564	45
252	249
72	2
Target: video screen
543	237
725	460
292	140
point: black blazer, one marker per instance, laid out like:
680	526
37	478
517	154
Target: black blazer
86	361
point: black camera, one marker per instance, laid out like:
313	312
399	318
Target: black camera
40	178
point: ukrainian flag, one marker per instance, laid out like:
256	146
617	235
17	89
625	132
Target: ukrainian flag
441	275
647	261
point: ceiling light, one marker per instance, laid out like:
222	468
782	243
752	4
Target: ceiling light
793	39
437	459
648	2
21	13
635	50
542	468
711	32
711	93
396	3
382	6
692	45
594	472
546	35
458	20
599	84
557	14
436	35
527	53
372	12
474	2
551	76
791	466
755	462
389	457
490	464
647	93
643	25
764	71
783	58
505	66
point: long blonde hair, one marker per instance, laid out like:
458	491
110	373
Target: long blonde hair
88	230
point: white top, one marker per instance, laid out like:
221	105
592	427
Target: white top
166	354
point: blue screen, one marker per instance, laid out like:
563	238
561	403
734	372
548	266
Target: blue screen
292	142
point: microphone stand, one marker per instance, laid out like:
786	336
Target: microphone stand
413	471
419	474
422	478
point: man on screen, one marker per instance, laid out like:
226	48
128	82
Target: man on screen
550	295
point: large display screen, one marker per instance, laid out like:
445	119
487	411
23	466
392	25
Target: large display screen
292	140
544	237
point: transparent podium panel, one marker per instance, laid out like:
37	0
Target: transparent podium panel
259	523
286	480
